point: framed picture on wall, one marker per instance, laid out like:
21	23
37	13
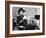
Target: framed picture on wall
24	18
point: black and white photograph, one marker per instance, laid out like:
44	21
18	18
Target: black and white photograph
26	18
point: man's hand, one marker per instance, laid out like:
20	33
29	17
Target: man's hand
21	21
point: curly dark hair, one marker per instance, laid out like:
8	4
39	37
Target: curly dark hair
21	9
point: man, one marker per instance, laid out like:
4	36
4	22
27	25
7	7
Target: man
20	21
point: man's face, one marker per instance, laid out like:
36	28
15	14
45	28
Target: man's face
21	12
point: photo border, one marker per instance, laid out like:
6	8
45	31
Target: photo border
25	31
7	18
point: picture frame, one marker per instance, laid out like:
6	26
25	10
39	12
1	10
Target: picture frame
8	7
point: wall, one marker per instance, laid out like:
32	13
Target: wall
28	11
2	20
28	0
